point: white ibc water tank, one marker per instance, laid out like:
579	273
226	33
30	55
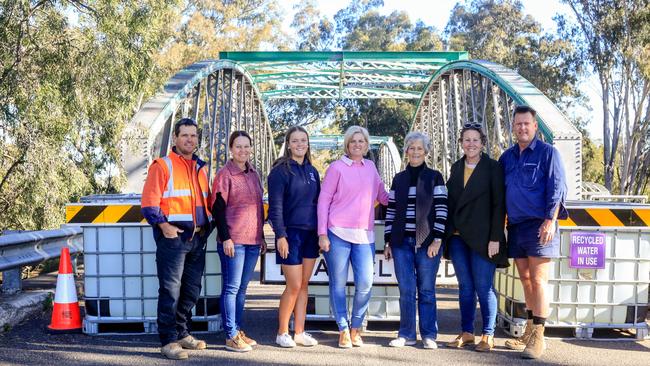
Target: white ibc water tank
614	296
120	275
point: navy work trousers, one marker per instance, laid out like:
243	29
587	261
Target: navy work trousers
180	265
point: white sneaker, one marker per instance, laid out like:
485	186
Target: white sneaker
401	342
429	343
305	339
284	340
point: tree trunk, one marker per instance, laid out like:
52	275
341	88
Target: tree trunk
607	147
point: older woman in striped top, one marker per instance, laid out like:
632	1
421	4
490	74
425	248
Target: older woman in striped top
415	227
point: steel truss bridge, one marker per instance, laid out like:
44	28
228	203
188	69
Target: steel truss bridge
450	89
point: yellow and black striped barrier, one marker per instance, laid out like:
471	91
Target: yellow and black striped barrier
108	214
607	216
597	216
103	214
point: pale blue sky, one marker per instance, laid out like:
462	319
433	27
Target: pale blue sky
436	12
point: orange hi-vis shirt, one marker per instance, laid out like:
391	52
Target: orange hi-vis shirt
177	191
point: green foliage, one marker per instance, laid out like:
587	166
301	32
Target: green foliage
592	164
73	72
357	27
382	117
499	31
37	96
225	25
614	38
71	76
315	33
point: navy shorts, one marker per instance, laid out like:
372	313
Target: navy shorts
302	244
523	241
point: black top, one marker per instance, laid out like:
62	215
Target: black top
414	172
219	215
429	206
477	209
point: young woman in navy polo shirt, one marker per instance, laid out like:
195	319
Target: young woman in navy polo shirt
294	186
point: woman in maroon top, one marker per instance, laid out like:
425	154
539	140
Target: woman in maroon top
238	213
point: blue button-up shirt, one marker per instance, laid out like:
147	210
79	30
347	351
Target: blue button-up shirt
535	182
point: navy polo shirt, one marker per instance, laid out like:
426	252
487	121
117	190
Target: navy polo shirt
535	182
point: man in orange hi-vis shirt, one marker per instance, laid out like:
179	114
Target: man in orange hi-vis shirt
175	202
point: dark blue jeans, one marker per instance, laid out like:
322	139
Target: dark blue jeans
236	272
180	265
416	273
475	276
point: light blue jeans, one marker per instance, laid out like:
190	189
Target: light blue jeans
475	276
416	273
236	272
338	259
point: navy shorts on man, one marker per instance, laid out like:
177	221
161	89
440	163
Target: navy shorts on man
302	244
523	241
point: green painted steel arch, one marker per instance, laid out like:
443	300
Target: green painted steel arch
155	112
148	133
552	122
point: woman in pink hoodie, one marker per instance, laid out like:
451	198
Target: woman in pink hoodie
346	219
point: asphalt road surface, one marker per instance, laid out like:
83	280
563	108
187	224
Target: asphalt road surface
30	344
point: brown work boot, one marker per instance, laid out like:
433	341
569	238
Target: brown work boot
174	351
190	342
237	344
486	344
249	341
355	336
344	339
463	340
535	346
518	344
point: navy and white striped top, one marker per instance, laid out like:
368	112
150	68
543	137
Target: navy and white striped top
439	205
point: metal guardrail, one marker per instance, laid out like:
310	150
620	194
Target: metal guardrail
21	249
619	198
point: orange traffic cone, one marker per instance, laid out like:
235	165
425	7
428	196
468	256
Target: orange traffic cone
65	314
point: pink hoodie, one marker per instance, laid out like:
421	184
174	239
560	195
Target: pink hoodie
348	194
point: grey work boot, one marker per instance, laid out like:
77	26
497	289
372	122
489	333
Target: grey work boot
174	351
190	342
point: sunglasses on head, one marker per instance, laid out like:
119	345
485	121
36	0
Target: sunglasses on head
473	125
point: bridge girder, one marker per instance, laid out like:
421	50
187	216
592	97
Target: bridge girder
486	93
225	95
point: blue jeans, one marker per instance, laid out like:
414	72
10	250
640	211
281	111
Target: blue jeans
338	259
416	272
475	276
180	265
236	272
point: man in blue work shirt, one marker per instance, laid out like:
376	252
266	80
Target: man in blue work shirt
535	194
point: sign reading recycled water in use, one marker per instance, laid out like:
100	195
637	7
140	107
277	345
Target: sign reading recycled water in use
587	250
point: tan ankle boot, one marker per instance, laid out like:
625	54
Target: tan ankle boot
535	346
464	339
519	344
486	344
